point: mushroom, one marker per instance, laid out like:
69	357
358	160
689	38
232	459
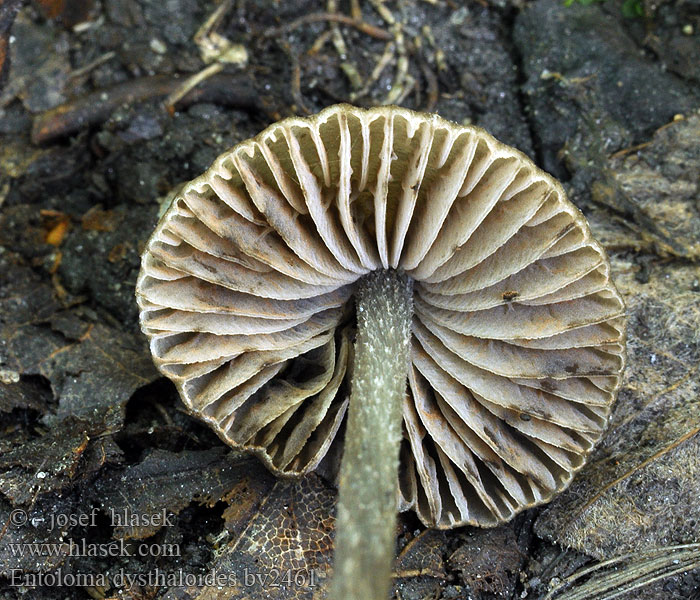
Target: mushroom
490	337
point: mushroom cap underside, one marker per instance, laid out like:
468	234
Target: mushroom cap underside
518	342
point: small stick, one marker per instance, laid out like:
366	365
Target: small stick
296	78
339	42
211	23
215	51
386	57
626	151
356	10
439	55
319	43
397	88
432	81
371	30
383	11
409	83
397	91
92	65
296	86
190	83
642	569
78	114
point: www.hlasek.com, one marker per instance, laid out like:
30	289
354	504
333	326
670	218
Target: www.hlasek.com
274	578
83	548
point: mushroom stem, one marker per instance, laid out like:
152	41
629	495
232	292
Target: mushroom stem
367	504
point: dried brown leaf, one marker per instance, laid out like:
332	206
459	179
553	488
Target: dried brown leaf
284	552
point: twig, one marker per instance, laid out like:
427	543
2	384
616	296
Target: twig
319	43
73	116
438	53
93	64
397	92
628	150
339	42
355	9
215	51
397	87
4	191
214	47
432	82
386	57
408	85
296	86
645	567
371	30
643	145
212	22
190	83
296	78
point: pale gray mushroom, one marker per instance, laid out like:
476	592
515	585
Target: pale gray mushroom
517	342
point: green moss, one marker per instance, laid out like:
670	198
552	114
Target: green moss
630	8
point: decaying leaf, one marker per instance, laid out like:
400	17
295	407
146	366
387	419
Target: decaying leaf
489	562
47	463
163	484
660	181
420	569
422	556
284	551
15	393
93	369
